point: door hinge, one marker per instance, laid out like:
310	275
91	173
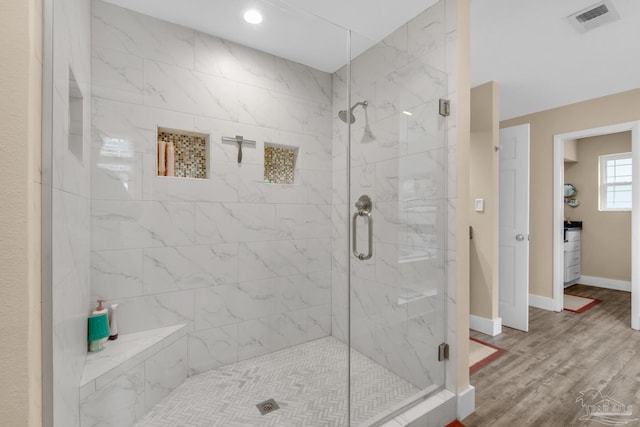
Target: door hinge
445	107
470	233
443	352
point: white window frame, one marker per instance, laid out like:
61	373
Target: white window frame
604	184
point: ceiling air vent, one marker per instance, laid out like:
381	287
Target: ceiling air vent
594	16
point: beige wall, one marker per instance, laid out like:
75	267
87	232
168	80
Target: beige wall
484	184
21	71
606	236
618	108
462	107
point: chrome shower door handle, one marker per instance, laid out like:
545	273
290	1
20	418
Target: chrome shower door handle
364	209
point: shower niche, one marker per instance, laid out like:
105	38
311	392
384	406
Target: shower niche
280	164
182	154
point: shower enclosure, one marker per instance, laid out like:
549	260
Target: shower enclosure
317	258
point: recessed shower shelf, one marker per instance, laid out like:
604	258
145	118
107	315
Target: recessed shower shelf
182	154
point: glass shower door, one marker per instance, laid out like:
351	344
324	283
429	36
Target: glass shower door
398	218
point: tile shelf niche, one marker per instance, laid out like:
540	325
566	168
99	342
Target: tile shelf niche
191	153
280	163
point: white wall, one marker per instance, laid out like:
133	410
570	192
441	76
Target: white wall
404	170
71	209
245	264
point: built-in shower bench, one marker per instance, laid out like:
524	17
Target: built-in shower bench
131	374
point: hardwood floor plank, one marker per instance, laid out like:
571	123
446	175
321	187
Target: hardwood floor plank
537	382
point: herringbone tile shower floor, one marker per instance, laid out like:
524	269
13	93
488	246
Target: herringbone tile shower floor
308	381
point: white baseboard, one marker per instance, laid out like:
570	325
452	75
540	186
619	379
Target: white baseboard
603	282
491	327
466	403
544	303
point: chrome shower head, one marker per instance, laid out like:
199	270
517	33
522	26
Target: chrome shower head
348	115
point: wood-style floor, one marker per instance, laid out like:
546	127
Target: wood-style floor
537	382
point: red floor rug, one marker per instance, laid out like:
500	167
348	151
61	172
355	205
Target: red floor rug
481	354
579	304
456	423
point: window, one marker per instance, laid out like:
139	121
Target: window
615	182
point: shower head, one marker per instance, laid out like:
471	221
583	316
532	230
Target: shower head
347	116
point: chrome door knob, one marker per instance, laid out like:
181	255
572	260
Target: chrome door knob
519	237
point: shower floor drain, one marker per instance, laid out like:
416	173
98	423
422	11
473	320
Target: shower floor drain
267	406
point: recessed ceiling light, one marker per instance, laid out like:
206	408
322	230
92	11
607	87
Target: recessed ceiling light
408	113
252	16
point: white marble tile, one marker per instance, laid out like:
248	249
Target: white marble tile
234	61
408	87
426	129
115	27
256	261
408	267
302	81
229	304
213	348
314	149
340	220
189	267
254	338
318	186
220	186
116	75
179	89
118	404
427	36
131	224
155	311
60	135
303	221
379	59
289	257
234	222
318	322
70	234
257	106
268	334
76	173
288	193
116	274
288	329
293	114
164	372
303	291
318	254
119	356
116	174
132	127
251	185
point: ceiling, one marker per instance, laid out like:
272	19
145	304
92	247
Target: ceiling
540	61
527	46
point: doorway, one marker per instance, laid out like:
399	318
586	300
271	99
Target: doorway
558	211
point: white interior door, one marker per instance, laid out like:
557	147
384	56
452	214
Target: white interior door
514	227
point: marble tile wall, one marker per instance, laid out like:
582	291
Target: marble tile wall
402	161
70	297
246	265
126	398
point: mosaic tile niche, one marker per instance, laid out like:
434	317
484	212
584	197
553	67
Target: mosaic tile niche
279	164
191	152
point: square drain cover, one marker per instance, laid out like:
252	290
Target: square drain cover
267	406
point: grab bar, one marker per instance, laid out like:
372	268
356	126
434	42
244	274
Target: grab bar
364	209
